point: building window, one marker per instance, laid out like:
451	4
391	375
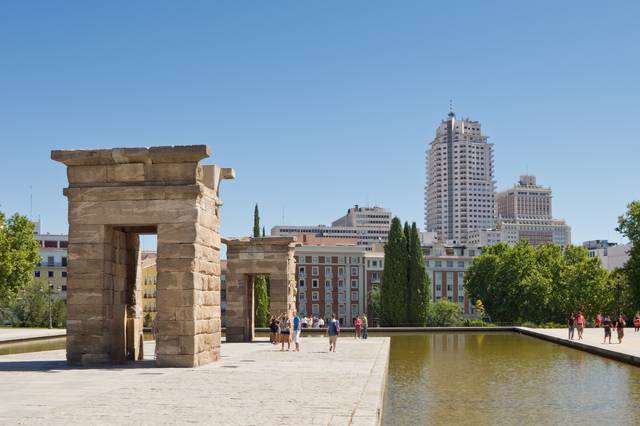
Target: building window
375	263
354	259
301	271
301	284
314	283
301	297
315	296
327	259
51	244
342	309
449	264
375	277
315	309
328	310
314	271
327	271
301	259
340	283
314	260
354	283
50	261
50	274
64	261
354	271
461	264
37	274
64	274
354	310
341	271
354	295
460	299
426	263
327	284
64	244
438	264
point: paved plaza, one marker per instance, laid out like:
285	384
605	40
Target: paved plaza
628	350
252	384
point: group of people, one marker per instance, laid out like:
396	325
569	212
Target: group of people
284	328
578	321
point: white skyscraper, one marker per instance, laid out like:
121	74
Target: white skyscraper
459	194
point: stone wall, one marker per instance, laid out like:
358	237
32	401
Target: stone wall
114	196
246	258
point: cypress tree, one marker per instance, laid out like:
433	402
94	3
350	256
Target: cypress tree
394	277
418	284
260	285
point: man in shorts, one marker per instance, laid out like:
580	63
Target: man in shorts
296	330
333	330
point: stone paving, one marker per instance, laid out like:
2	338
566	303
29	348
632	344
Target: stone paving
628	350
252	384
16	334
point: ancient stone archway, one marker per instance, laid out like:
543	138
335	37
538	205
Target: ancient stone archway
246	258
114	196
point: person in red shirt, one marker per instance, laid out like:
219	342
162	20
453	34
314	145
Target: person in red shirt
358	325
580	324
598	321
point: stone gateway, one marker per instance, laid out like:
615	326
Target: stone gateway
114	196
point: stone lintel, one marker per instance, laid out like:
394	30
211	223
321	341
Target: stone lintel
155	155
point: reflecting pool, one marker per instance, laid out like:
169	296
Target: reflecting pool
505	379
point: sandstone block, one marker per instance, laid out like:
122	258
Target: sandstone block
187	173
128	213
133	172
86	174
179	154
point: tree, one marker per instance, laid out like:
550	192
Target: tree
31	306
629	227
418	281
394	277
19	255
444	314
538	284
374	304
260	284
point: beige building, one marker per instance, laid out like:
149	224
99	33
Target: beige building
52	267
149	281
446	265
611	255
459	193
524	213
365	225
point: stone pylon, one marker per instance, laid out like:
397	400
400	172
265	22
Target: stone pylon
114	196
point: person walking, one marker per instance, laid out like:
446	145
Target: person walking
297	330
598	321
358	325
580	324
365	326
636	322
333	331
606	325
620	327
571	323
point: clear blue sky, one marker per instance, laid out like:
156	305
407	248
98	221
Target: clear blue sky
322	105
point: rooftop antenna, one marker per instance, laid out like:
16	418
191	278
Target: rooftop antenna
451	114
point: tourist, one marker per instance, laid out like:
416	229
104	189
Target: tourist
365	326
571	322
333	331
154	330
297	329
273	328
598	321
285	331
580	324
358	325
620	327
606	325
636	322
320	323
305	322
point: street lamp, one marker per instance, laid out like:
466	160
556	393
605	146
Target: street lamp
50	319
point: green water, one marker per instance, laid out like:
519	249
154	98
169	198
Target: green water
505	379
